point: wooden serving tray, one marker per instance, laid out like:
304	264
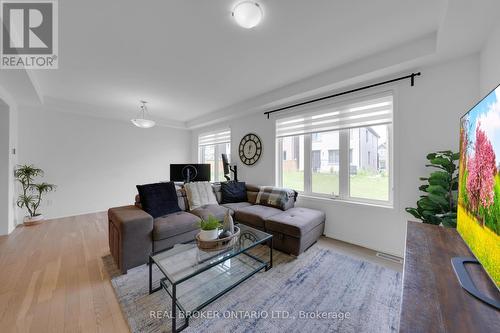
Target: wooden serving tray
218	244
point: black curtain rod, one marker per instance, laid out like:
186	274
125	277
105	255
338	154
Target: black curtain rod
410	76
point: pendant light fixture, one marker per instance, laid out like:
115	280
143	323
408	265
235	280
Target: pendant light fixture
141	121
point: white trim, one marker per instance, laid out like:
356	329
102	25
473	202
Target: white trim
329	199
308	163
279	163
344	167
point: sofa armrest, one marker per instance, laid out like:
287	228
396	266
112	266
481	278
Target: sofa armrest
130	236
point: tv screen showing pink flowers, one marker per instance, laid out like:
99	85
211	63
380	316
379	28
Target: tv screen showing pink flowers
479	183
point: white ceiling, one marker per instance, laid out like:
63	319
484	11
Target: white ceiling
189	59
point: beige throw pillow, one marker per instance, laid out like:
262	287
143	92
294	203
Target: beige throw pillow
200	194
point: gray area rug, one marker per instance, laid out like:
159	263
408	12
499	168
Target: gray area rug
320	291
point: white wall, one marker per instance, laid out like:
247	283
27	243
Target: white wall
95	162
4	168
490	62
426	119
263	171
13	139
8	161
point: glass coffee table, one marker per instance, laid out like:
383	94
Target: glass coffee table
194	278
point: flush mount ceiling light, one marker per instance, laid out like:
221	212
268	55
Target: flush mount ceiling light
141	121
248	14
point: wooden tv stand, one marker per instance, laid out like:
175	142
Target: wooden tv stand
433	300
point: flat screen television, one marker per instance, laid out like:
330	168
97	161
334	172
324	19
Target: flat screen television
190	172
478	216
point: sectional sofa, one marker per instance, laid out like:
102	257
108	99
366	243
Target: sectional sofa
134	234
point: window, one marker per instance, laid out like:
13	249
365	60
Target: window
333	156
339	150
371	181
207	155
211	146
293	166
325	176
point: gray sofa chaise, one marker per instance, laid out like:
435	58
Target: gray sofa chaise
134	234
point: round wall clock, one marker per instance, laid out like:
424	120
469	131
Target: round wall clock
250	149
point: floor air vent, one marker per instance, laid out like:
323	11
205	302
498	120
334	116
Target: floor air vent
389	257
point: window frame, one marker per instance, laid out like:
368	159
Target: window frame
216	178
344	159
201	154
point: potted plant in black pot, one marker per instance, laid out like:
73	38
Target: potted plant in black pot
32	192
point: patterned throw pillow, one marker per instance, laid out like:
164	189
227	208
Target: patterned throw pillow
200	194
281	198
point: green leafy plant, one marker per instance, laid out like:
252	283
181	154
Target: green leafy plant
211	223
32	193
439	203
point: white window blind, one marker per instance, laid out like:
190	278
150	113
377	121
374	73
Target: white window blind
330	117
213	138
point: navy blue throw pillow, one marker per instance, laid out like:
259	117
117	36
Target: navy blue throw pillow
158	199
233	192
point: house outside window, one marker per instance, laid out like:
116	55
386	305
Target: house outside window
333	156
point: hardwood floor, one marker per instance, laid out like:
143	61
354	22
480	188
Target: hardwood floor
52	277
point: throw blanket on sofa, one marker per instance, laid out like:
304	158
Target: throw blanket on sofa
200	194
281	198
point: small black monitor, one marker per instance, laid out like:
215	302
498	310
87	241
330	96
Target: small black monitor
190	172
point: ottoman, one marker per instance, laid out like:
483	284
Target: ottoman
296	229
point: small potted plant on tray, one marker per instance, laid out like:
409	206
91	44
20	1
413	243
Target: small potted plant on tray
32	193
209	228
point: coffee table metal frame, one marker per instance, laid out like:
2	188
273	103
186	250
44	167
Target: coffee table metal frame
267	265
